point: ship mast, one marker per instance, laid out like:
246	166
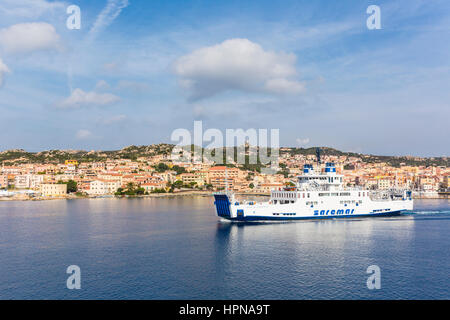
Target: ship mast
318	157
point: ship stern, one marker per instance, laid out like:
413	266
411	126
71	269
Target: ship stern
223	205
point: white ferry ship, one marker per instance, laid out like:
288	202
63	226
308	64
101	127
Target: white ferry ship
316	195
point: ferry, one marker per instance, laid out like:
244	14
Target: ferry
316	195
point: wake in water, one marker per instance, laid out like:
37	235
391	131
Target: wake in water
429	212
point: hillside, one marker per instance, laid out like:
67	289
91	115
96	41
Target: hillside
18	156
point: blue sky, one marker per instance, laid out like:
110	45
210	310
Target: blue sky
137	70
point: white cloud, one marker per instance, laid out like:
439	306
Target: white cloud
83	134
237	64
28	8
80	98
284	86
107	16
302	142
28	37
3	69
102	85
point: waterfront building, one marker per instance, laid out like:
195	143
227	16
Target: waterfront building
446	182
199	178
103	187
53	189
3	181
151	186
22	181
268	187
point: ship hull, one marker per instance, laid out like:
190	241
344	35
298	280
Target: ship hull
268	218
332	209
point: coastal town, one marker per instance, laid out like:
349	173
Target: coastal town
127	174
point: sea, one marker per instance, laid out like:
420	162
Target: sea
177	248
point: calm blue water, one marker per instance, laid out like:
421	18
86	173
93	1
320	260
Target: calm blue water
175	248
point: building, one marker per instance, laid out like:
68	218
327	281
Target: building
384	184
102	187
199	178
222	177
3	181
169	176
112	177
36	180
53	189
268	187
28	181
223	171
446	183
151	186
22	181
71	162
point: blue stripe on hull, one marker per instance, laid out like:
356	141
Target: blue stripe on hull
262	218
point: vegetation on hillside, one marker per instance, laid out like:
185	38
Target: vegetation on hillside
19	156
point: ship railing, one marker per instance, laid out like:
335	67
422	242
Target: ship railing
387	195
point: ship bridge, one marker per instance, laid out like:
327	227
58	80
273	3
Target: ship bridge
308	182
326	180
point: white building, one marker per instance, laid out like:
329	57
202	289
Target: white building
53	189
150	186
102	187
3	181
28	181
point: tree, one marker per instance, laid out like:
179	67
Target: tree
72	186
179	169
251	185
349	167
192	184
177	184
161	167
284	172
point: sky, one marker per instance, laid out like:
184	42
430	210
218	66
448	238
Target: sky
137	70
